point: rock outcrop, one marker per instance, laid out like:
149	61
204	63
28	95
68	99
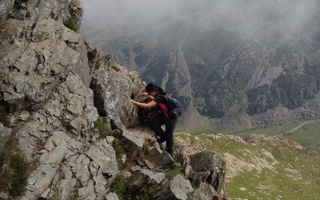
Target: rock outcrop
56	90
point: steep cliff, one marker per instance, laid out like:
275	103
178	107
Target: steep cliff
67	108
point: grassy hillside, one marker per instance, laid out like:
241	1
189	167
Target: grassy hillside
262	167
306	133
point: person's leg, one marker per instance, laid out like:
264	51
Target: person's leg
155	126
170	126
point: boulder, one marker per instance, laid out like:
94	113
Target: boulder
208	167
114	87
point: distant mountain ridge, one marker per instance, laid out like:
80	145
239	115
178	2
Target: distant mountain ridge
240	63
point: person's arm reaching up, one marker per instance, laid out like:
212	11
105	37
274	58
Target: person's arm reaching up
144	105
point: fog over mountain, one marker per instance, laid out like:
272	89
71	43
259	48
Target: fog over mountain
242	61
114	18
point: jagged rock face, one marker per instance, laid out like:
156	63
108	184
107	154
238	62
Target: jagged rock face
113	86
55	88
37	52
242	61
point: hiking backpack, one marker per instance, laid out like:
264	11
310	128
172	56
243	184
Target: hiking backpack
176	107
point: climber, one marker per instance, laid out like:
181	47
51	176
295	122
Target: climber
157	98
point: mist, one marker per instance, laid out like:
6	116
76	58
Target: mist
114	18
210	51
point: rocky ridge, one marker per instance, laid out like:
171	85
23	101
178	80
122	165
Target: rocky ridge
55	89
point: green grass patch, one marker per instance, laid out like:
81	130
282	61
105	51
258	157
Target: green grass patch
307	135
146	147
272	167
295	176
14	170
119	185
270	131
120	148
103	126
205	128
71	24
297	169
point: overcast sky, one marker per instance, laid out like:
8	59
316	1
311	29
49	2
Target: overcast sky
135	15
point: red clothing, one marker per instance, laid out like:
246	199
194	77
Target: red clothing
164	109
163	105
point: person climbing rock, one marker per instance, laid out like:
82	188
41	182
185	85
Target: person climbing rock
157	98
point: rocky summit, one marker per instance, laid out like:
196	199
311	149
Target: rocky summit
67	108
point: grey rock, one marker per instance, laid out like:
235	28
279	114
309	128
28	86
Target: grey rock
112	196
5	7
181	187
4	196
143	179
134	142
41	179
50	56
204	191
159	158
114	86
178	188
205	164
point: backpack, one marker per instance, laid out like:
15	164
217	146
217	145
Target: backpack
175	106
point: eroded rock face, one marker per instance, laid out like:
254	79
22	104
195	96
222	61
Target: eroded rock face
114	86
37	53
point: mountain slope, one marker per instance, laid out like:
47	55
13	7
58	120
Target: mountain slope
236	62
262	167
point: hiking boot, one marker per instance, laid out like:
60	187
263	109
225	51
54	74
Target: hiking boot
116	133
